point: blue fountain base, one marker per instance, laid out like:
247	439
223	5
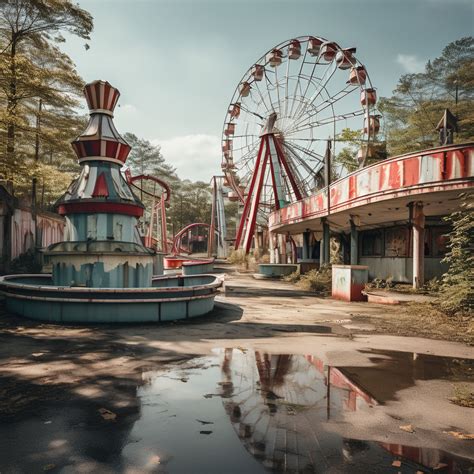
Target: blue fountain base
169	299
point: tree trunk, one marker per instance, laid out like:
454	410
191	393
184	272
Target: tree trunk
11	105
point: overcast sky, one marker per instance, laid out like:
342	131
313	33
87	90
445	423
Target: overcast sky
177	62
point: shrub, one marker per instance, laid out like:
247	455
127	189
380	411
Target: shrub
318	281
25	263
238	257
292	277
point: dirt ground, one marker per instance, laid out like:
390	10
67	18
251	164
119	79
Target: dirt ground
102	365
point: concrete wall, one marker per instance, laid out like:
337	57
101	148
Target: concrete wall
103	271
401	268
101	226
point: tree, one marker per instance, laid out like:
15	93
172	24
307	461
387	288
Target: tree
146	158
39	87
456	287
418	102
347	159
190	202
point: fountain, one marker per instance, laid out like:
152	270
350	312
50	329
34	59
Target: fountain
102	272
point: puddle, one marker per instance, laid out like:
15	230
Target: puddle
237	411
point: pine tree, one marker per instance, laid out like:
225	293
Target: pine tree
146	158
419	100
457	283
39	89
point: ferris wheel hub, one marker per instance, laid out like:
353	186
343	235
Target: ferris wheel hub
270	124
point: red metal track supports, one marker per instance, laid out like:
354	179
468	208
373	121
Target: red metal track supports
164	226
177	240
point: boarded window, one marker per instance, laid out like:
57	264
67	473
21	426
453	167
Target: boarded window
396	242
372	243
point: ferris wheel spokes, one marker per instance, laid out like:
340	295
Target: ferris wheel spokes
279	122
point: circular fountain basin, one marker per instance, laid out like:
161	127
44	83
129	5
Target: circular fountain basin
275	270
197	267
168	299
174	262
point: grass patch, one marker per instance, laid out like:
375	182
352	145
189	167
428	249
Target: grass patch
463	396
425	320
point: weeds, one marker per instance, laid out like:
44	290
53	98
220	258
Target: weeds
318	281
463	396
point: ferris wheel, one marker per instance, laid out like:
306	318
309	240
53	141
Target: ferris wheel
298	96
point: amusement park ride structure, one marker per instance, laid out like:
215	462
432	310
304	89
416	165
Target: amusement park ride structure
157	224
295	99
218	229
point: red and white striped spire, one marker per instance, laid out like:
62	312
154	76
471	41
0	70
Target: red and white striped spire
101	141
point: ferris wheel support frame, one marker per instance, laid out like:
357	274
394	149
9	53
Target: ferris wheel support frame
265	157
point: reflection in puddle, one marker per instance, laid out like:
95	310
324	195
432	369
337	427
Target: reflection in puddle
279	408
239	411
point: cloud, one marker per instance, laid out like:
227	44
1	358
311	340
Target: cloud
411	63
196	157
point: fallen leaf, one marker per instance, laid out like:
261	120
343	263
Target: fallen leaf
48	467
107	414
459	435
242	349
396	463
407	428
205	422
440	465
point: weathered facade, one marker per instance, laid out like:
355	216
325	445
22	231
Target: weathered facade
389	215
18	230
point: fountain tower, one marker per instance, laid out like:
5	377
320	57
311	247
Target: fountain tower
102	247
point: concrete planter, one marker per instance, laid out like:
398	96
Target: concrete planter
276	270
348	281
198	267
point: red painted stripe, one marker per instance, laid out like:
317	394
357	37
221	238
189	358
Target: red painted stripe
96	207
91	147
123	152
394	176
107	92
352	187
382	174
111	149
411	171
100	188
